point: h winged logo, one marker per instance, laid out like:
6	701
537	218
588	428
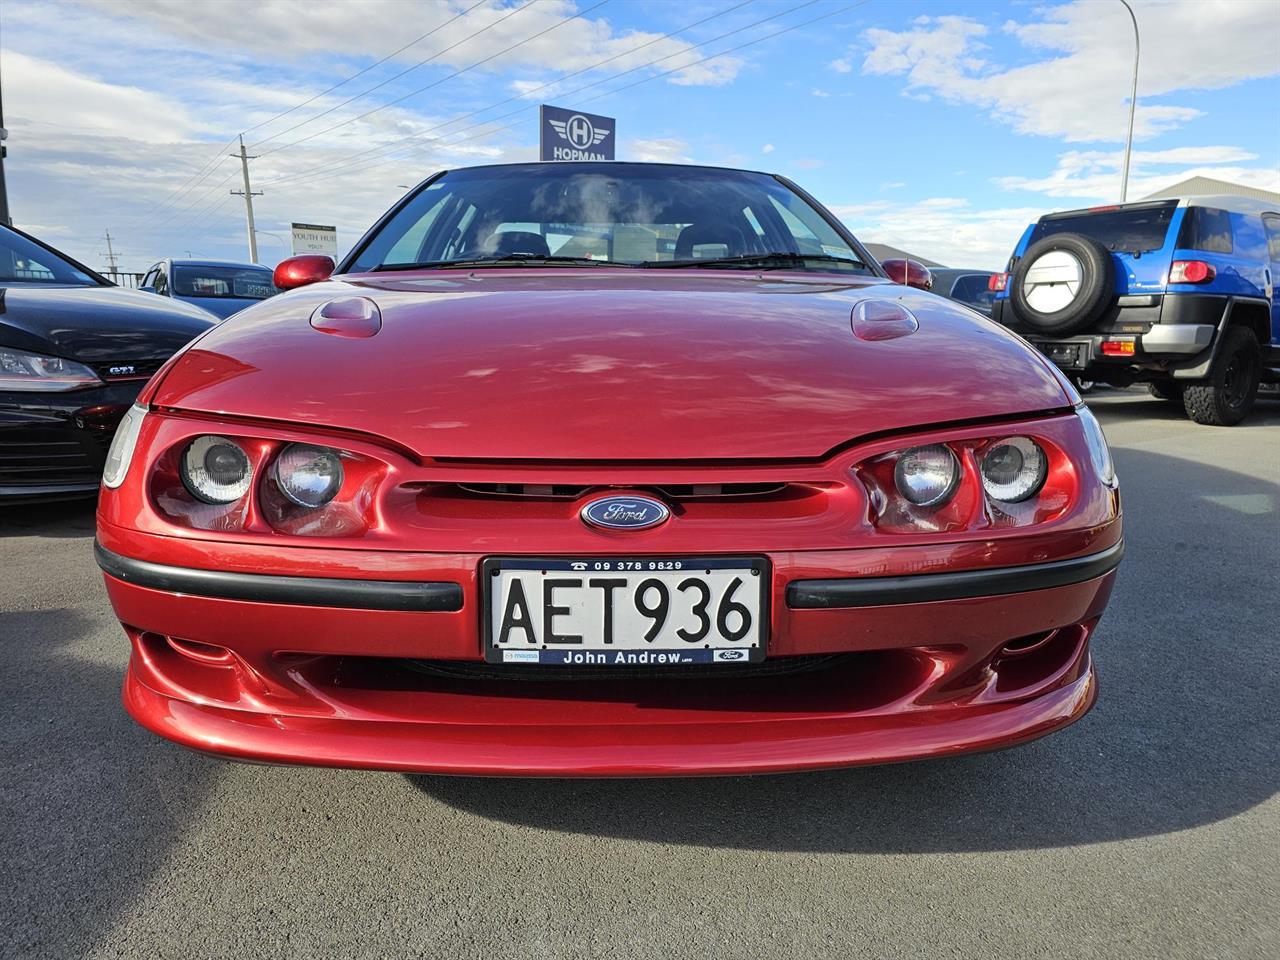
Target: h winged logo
579	131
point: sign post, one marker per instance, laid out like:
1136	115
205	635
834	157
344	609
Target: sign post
573	135
314	238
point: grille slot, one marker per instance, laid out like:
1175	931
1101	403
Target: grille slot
50	462
474	670
679	491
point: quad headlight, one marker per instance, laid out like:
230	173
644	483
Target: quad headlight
927	476
1014	469
216	470
309	476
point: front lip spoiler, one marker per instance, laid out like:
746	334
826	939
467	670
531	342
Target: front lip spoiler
430	597
961	585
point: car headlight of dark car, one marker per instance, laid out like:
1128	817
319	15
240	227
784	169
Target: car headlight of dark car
21	370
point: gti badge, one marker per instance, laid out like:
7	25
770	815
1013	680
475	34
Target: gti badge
625	513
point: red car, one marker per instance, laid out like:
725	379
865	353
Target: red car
607	469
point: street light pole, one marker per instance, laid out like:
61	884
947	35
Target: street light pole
1133	103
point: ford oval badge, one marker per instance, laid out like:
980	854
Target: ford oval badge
625	513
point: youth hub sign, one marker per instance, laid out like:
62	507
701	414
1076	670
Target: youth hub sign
573	135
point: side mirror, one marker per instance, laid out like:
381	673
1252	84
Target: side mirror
911	273
299	271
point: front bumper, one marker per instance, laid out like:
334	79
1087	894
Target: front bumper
989	651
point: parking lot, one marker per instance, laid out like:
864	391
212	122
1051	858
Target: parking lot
1149	829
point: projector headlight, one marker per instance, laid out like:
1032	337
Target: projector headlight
309	476
216	470
1014	469
927	476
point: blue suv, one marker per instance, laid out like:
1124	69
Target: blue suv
1178	294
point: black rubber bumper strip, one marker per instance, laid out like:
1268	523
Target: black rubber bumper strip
962	585
439	597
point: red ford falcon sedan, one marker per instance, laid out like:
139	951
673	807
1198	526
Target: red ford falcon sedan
607	469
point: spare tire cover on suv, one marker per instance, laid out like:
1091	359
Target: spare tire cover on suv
1062	283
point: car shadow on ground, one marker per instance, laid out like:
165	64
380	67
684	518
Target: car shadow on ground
1184	733
92	802
60	519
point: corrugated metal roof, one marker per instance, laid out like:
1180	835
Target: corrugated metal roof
1201	186
882	252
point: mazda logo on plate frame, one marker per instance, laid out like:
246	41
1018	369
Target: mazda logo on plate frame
625	513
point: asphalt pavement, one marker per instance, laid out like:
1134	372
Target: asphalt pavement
1149	829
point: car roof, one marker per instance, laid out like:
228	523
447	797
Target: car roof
598	164
1231	203
1221	201
216	263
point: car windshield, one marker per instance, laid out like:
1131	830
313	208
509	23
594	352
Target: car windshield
623	214
22	261
1138	229
237	283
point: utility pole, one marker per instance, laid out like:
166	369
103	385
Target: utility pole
111	253
4	194
1133	103
248	195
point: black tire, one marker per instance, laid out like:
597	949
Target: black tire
1227	396
1169	390
1096	290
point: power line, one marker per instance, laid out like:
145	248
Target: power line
382	147
207	168
456	73
522	110
376	63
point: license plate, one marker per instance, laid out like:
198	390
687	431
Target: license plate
643	611
1067	355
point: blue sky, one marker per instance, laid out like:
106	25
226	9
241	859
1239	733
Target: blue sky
940	127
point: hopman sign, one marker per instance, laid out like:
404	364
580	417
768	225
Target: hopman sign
314	238
573	135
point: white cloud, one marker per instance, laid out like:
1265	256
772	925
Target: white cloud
1094	175
372	28
842	65
944	229
668	150
1079	91
767	148
817	92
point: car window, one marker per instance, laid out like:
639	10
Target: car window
1272	225
1206	229
972	289
1137	229
22	261
236	283
624	214
1248	237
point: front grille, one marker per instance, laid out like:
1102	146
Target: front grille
45	462
473	670
679	491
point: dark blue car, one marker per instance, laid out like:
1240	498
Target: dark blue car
1179	294
222	287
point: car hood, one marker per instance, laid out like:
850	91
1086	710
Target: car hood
97	324
571	364
220	306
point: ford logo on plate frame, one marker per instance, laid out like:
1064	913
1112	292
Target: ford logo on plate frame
625	513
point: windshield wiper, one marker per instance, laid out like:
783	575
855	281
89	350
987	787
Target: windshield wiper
505	259
767	261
